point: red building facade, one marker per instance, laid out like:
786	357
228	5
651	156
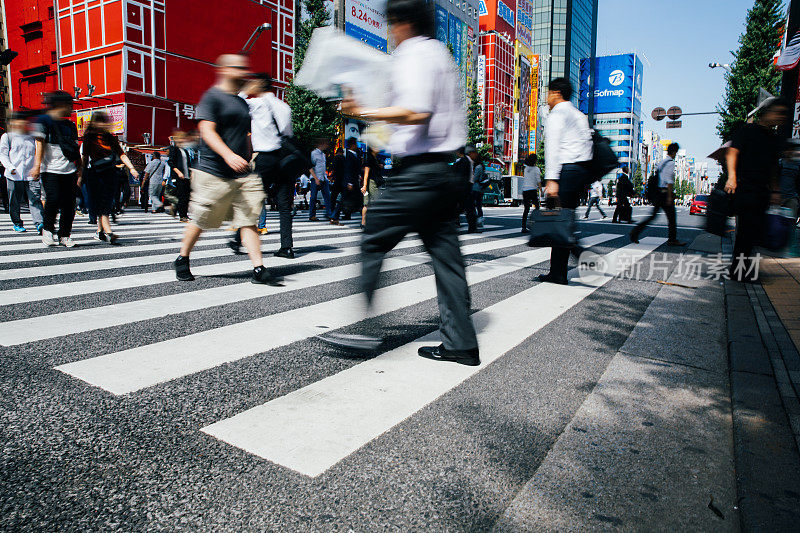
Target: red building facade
497	45
147	62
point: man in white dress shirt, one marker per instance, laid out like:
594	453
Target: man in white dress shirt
430	125
568	152
271	117
17	149
664	199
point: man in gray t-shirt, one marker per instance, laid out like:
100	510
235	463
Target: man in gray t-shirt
154	172
319	181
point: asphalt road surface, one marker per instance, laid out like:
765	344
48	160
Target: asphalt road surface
134	402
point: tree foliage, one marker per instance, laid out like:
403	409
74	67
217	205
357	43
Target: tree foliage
752	66
638	181
476	133
312	116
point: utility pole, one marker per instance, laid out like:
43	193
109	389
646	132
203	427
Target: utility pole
789	81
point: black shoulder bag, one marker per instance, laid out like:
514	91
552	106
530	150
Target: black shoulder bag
292	161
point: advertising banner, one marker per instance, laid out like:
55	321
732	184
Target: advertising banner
522	138
116	112
482	83
499	131
533	117
514	137
455	38
524	22
366	21
441	25
617	87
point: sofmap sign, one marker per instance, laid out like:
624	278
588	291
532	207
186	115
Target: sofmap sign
505	13
617	87
366	20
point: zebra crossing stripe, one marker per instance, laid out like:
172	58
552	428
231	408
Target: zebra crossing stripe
138	368
57	325
77	288
313	428
100	249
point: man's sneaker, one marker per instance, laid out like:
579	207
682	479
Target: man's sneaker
39	228
286	253
19	229
262	276
100	236
182	272
48	239
66	241
112	238
263	231
236	247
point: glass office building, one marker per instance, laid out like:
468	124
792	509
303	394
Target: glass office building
564	32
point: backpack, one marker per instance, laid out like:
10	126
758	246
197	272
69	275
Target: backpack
604	160
653	193
69	147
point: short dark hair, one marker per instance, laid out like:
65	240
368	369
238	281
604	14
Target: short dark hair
531	160
673	148
563	86
625	169
265	79
156	155
352	141
57	99
419	13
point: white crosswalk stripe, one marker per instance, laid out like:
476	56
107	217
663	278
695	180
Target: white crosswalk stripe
314	427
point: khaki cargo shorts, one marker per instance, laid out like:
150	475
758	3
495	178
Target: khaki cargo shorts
215	200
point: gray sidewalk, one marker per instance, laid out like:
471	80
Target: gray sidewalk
652	447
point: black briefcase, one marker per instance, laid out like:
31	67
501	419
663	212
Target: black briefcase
552	228
720	207
626	213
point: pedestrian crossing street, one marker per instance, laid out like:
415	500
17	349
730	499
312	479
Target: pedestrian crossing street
62	296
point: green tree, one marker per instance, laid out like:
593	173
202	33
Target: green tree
540	155
476	133
312	116
638	181
752	66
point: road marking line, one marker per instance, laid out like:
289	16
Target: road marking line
68	323
141	367
77	288
313	428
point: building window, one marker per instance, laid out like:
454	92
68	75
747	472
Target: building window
52	57
50	13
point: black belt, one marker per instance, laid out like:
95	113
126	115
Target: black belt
425	159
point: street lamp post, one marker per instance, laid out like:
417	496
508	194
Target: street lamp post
726	66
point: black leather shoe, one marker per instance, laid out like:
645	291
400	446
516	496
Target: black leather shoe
287	253
236	247
439	353
182	272
634	238
549	278
262	276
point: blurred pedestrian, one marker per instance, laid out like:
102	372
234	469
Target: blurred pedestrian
179	162
101	154
319	181
373	183
624	191
568	151
531	181
430	125
154	176
223	180
595	194
663	199
337	187
17	149
752	164
58	163
463	168
480	181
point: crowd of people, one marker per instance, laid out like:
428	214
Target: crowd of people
244	160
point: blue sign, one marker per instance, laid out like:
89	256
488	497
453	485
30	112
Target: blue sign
617	86
505	13
482	9
455	38
441	25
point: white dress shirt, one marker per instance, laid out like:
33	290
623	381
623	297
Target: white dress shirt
567	139
597	190
264	136
666	174
424	79
16	153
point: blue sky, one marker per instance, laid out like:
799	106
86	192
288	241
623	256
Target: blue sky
678	52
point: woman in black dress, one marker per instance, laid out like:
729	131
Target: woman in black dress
101	154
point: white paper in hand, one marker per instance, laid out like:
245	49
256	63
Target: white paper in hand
335	61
